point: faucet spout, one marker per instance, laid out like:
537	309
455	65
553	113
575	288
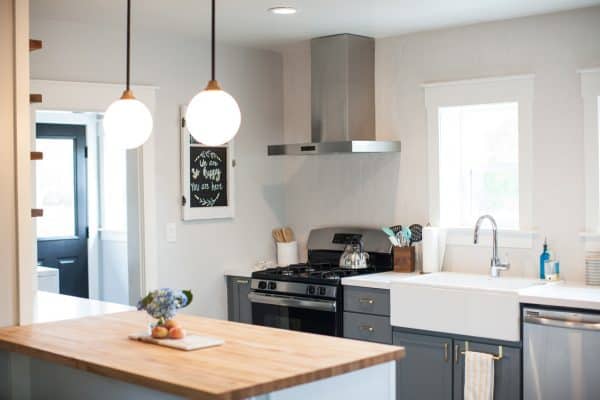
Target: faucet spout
495	264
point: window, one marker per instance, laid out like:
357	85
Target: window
479	164
480	153
55	188
590	91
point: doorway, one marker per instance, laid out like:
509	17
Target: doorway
140	238
61	188
88	188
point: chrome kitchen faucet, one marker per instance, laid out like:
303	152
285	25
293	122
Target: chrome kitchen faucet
495	264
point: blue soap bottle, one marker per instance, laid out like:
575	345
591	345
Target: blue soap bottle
545	256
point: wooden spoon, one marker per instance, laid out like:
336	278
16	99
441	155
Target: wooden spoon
288	234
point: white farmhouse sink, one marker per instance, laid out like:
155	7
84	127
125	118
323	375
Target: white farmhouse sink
464	304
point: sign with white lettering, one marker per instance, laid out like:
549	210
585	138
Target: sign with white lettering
207	178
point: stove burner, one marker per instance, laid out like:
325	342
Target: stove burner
310	272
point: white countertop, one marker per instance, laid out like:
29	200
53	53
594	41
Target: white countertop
561	294
381	280
49	307
244	272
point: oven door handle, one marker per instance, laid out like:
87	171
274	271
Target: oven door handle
296	302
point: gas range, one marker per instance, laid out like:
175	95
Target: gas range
309	297
321	280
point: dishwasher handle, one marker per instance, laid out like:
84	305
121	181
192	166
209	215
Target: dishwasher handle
560	319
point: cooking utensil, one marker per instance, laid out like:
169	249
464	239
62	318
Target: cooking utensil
396	229
416	233
391	236
288	234
278	235
404	237
388	231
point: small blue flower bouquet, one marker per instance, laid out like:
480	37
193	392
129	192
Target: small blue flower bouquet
163	304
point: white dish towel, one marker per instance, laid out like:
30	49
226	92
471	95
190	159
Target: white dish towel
479	376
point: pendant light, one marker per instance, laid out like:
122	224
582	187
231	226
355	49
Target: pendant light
213	116
127	121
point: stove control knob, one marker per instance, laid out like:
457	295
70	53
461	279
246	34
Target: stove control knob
311	290
272	285
322	291
262	285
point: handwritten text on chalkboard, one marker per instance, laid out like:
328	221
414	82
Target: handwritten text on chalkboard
208	176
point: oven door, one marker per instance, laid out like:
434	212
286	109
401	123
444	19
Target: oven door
295	313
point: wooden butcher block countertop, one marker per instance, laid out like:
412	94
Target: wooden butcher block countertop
254	360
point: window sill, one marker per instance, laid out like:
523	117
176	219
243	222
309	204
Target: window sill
591	240
507	238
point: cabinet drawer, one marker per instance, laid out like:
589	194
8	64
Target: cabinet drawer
367	300
373	328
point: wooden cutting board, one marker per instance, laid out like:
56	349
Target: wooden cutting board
188	343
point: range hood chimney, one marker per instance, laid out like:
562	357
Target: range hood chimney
342	99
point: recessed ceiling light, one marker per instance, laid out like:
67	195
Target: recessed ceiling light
282	10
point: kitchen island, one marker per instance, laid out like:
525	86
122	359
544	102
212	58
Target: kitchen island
92	358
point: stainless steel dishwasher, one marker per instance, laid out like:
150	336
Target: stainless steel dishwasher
561	355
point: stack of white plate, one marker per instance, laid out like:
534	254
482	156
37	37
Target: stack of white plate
592	267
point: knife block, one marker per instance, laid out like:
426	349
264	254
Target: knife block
404	259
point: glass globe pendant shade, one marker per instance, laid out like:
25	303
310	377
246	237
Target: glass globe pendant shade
213	116
127	122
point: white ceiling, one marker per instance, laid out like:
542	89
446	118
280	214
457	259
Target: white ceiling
246	22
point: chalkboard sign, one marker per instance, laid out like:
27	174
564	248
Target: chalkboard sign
208	176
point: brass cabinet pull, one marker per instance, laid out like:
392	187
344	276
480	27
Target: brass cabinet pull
366	300
445	352
456	353
367	328
242	281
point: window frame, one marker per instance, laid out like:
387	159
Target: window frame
516	88
590	92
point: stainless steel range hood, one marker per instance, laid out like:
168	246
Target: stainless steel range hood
342	99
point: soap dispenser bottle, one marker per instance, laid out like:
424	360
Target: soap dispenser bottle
545	256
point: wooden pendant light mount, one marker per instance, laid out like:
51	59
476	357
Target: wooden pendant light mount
127	95
213	85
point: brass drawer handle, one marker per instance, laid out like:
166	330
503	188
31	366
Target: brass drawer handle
367	328
242	281
456	353
445	352
366	300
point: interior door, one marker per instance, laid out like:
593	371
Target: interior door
61	190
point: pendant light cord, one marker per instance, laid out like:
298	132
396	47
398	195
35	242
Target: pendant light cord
212	43
128	42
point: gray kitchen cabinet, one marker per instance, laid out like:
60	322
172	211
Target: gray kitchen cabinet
426	371
507	370
367	314
371	328
367	300
239	308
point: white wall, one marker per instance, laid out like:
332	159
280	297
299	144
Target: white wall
388	189
8	210
180	68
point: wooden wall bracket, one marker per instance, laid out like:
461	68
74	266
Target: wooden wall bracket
36	156
35	98
35	44
37	212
